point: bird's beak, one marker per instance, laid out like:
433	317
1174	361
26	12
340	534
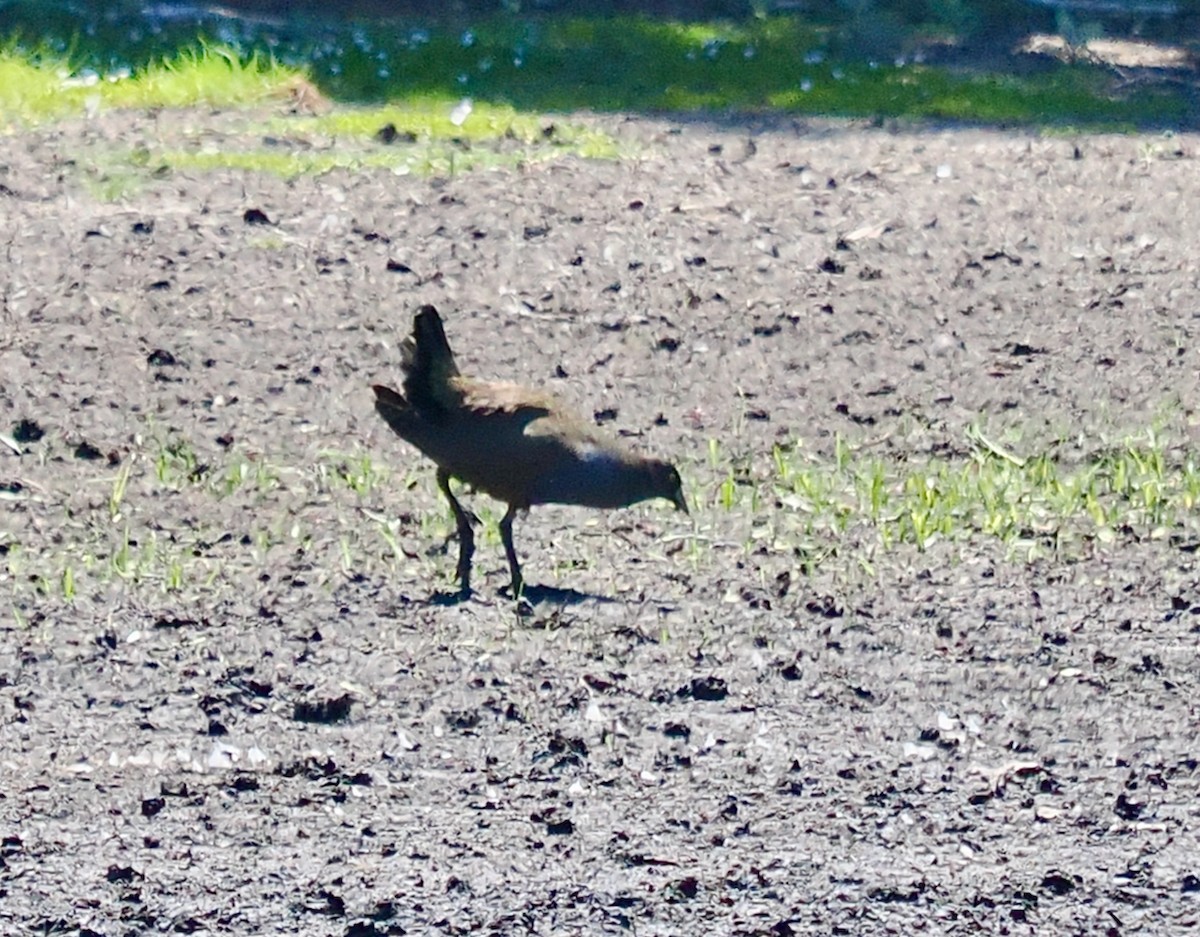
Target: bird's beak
680	501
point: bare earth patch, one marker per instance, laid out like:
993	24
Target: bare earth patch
1123	53
229	706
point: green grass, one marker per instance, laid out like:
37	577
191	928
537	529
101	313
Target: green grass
1036	506
37	87
143	533
431	135
537	65
169	519
431	143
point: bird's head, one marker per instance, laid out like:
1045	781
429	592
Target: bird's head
668	485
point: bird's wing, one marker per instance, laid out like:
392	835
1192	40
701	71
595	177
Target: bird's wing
494	400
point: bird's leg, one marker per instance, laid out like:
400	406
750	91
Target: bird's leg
510	551
466	536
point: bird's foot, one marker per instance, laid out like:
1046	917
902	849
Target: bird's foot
445	597
523	602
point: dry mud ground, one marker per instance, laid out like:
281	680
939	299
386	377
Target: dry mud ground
228	705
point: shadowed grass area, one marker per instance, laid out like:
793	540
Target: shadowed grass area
780	63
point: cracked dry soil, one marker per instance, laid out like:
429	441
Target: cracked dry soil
227	707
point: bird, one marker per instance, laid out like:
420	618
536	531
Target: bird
514	443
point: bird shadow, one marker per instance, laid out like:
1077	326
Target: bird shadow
447	599
531	595
536	595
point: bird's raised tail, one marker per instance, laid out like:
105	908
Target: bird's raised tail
395	410
428	365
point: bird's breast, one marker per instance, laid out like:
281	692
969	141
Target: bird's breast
590	476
